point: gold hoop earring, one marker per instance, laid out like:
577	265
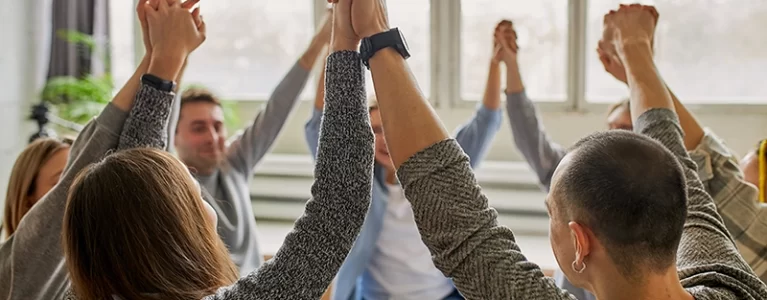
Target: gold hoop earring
576	269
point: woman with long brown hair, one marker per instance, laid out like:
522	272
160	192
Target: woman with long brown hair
154	234
136	225
35	172
32	263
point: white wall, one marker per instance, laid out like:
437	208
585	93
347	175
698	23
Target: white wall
22	61
741	130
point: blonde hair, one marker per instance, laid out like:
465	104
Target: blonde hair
23	179
135	225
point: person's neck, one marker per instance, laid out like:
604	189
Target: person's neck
200	171
390	175
653	286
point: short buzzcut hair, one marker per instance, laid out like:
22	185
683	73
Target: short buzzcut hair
631	192
197	95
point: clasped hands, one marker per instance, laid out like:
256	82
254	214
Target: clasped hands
629	26
505	43
354	20
169	29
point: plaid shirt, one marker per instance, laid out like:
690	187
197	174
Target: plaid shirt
736	200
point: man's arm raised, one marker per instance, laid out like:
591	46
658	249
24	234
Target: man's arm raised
451	211
706	245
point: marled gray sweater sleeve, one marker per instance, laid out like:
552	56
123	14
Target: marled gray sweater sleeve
147	122
708	261
321	239
530	137
32	261
462	232
249	146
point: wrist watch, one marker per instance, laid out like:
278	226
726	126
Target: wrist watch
158	83
392	38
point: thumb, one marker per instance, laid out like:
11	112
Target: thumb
189	3
196	17
149	11
202	29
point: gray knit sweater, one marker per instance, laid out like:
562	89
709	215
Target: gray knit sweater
32	261
314	251
485	262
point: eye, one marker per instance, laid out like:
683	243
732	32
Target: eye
198	129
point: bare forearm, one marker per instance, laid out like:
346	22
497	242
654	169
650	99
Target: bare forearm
492	98
410	124
693	131
319	96
180	75
646	87
127	94
316	47
513	78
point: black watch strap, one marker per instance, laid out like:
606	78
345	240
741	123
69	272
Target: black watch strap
158	83
388	39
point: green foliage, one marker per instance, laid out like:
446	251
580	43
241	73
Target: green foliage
78	99
77	38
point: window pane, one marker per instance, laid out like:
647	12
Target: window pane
542	36
412	18
121	41
708	51
250	46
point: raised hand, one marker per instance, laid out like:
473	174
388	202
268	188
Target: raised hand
369	17
173	29
506	37
343	36
611	62
630	24
141	9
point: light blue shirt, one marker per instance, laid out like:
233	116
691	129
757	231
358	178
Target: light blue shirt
474	137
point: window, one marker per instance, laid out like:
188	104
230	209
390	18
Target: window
412	18
542	37
708	51
250	45
121	41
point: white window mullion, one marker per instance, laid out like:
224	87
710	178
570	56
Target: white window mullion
576	54
138	39
446	51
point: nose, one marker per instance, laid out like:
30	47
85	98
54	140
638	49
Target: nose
211	135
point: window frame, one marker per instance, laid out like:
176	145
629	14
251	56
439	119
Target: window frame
445	51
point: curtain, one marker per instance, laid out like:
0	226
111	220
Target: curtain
85	16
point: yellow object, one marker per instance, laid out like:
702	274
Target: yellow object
762	154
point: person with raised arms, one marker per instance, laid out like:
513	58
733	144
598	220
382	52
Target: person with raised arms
389	260
717	165
150	241
225	166
32	264
621	227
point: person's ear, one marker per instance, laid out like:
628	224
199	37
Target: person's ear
582	242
